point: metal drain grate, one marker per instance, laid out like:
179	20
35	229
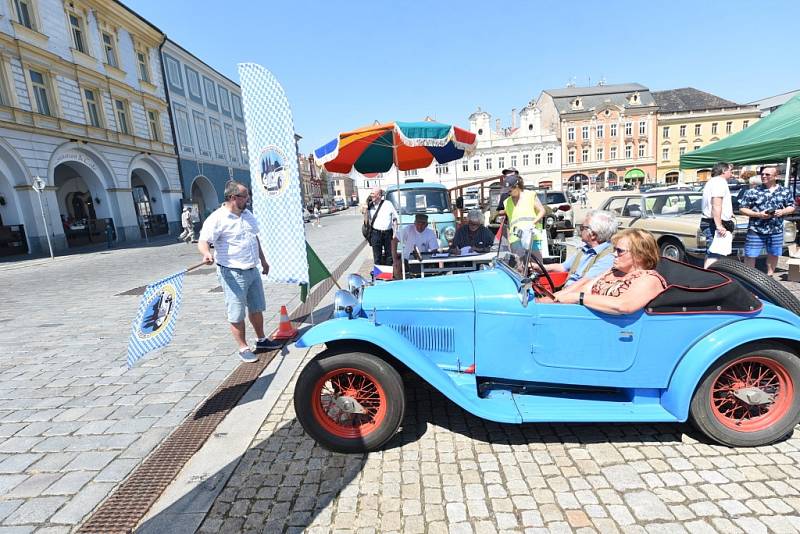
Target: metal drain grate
122	511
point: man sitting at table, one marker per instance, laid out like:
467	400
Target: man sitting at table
473	234
419	236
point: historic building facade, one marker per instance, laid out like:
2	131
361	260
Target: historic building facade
607	133
82	107
689	119
343	188
207	117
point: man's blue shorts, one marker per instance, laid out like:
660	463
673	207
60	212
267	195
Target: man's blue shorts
243	291
755	243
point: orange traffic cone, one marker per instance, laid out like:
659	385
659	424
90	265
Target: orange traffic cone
285	329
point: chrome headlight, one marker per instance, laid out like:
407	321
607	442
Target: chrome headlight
355	284
449	233
701	239
345	305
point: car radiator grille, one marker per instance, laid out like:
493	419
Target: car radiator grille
428	338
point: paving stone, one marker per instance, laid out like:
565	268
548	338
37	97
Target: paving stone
36	510
646	506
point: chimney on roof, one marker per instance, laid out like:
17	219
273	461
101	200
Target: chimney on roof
513	118
497	126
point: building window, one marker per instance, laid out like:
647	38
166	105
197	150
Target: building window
224	100
513	161
110	48
665	153
628	151
599	154
155	124
442	168
24	13
641	150
745	124
642	128
600	131
174	73
184	133
201	129
78	33
585	133
585	155
728	127
682	151
211	92
697	129
629	129
683	130
237	106
231	142
697	147
242	144
412	172
537	159
549	157
571	156
465	165
613	130
216	136
665	132
193	82
92	108
501	162
570	134
524	160
612	152
39	87
476	164
121	111
713	128
143	62
489	163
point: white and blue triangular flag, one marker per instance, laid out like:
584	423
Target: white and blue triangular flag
156	318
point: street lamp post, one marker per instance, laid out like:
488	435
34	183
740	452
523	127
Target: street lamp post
38	186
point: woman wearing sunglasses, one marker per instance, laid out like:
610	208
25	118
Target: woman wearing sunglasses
631	282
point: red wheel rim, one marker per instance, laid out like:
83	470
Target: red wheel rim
755	373
357	385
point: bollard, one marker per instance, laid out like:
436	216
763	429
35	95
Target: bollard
109	235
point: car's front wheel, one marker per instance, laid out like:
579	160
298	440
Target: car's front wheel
349	401
672	249
749	398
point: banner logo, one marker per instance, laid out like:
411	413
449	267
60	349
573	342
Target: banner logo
158	311
155	321
274	175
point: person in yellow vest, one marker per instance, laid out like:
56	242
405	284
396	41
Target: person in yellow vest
524	213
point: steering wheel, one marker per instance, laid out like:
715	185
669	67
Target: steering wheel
536	285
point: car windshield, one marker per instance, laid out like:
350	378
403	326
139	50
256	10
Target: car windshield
555	197
683	203
411	201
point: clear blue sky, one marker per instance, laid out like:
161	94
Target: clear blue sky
345	64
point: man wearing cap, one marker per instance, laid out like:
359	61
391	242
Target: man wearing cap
473	234
188	227
504	192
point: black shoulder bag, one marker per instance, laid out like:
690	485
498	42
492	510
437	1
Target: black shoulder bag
366	228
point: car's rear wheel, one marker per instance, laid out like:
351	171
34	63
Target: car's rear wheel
759	283
349	401
672	249
749	398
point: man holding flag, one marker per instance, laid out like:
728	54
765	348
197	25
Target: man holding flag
233	230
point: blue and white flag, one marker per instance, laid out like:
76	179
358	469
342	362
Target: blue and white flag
274	174
155	320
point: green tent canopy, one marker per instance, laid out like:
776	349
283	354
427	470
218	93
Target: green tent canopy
770	140
634	173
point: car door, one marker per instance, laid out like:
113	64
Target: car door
619	206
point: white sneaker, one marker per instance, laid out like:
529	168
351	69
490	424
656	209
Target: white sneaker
247	356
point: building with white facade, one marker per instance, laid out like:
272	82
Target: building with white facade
82	106
209	128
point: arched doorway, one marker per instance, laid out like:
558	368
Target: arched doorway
148	202
607	178
703	175
672	177
578	180
16	216
203	196
83	204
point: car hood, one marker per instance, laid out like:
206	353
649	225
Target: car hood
454	292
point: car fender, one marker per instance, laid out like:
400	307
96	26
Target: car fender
458	387
696	361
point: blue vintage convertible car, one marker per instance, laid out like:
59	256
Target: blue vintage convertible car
711	352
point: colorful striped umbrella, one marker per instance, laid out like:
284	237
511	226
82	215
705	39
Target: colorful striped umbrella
407	145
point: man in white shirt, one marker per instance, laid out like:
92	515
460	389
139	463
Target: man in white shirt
233	230
717	208
418	236
382	216
187	224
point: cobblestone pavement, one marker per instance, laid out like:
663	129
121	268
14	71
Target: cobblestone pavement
73	421
448	471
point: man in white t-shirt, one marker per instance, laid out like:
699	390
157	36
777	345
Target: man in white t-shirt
717	218
382	215
233	230
418	235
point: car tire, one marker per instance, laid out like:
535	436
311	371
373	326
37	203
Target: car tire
759	283
671	248
764	369
369	380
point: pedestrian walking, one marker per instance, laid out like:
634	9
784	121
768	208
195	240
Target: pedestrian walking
766	205
381	217
717	208
582	196
188	226
233	230
317	214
